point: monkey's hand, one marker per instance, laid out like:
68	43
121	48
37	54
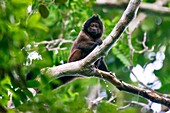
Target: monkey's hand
99	42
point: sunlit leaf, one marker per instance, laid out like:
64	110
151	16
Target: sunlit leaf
33	22
60	1
22	1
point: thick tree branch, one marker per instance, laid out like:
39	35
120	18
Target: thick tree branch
114	36
82	65
85	68
153	96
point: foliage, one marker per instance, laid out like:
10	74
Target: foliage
23	23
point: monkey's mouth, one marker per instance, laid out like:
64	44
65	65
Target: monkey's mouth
94	32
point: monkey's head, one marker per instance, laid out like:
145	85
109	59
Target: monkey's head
94	27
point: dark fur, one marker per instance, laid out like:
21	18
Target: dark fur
87	40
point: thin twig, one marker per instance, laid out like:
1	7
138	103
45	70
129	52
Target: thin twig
134	103
145	48
50	45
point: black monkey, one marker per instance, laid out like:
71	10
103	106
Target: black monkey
87	40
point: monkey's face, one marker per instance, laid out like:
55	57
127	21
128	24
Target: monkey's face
94	29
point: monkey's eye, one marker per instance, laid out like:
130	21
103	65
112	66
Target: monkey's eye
94	25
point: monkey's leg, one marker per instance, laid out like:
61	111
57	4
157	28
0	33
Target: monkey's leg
100	64
76	55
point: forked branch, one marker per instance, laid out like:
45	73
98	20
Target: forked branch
84	66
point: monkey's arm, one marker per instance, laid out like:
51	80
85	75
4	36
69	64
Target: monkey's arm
88	45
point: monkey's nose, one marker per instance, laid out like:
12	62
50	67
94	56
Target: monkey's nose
94	30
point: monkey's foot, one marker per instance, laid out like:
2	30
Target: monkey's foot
113	74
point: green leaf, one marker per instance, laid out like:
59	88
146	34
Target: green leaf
43	11
28	93
34	23
33	84
16	101
165	88
104	107
60	1
33	19
22	1
21	96
121	56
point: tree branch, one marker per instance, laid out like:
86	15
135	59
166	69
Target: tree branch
156	7
153	96
83	65
134	103
85	68
51	45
